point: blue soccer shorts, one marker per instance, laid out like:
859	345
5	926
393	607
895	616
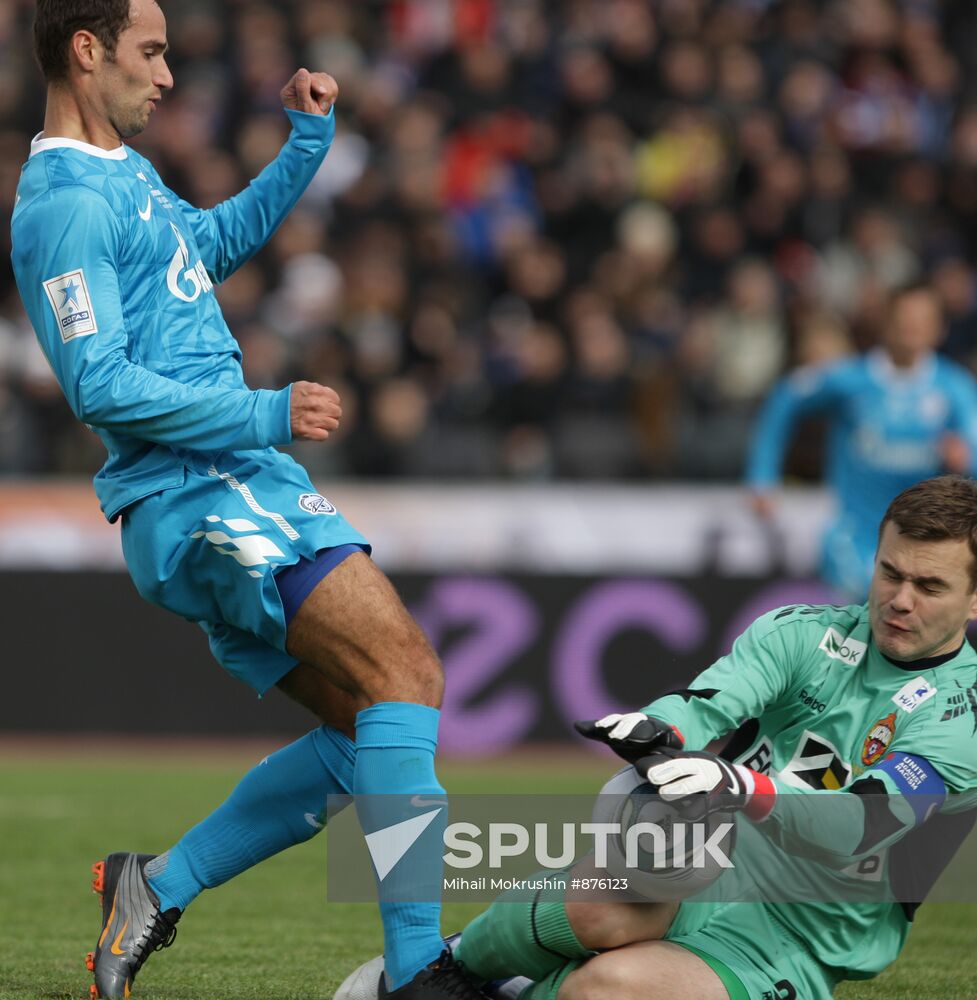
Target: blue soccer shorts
209	551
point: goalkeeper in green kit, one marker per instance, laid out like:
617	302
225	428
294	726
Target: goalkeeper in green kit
870	709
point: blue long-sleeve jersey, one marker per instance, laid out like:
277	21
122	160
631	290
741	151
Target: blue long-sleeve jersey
116	273
884	428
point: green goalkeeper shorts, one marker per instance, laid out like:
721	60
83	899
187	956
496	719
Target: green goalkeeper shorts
752	952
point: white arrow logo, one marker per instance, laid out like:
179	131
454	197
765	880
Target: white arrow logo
389	845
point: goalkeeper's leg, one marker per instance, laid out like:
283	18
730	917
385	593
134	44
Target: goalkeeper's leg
537	936
635	972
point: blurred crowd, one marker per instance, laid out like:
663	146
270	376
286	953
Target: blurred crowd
574	239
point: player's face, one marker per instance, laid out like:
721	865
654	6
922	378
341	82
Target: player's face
915	326
921	597
133	82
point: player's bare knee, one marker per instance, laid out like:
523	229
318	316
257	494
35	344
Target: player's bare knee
415	676
431	678
602	977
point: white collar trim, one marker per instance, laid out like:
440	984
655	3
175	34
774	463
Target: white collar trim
886	370
39	144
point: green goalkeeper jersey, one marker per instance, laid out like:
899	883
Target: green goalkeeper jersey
815	706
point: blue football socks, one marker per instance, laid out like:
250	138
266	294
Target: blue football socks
281	802
394	781
278	803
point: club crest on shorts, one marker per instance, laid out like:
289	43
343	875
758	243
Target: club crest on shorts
878	739
316	503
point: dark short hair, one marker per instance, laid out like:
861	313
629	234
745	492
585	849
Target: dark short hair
56	22
936	510
916	286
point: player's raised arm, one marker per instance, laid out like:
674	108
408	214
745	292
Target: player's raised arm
805	391
750	679
233	231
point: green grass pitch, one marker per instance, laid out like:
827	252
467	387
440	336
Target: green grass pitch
269	934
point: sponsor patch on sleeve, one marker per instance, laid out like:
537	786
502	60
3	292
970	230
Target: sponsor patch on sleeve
917	779
72	305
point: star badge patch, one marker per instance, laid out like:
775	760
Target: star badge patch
72	305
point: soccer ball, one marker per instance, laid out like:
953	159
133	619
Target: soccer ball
362	983
670	865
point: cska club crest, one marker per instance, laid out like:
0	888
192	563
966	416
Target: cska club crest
878	739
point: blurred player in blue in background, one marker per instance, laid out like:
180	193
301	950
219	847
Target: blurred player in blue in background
117	275
896	415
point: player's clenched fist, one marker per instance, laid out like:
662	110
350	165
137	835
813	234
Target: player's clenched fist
313	93
315	411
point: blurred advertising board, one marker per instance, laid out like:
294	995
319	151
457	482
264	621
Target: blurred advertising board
552	528
607	599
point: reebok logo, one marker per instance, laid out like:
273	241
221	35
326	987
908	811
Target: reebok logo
812	702
844	648
389	845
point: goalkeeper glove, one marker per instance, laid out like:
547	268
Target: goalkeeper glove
632	736
686	775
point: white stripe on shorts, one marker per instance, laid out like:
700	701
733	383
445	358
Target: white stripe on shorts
249	499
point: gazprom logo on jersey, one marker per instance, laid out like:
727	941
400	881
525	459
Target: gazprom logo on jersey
844	648
184	281
72	305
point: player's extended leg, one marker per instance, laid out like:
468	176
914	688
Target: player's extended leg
354	629
537	936
264	564
279	803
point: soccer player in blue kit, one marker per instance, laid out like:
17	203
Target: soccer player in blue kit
897	415
117	275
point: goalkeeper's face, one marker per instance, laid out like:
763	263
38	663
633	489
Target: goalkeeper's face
131	82
922	595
